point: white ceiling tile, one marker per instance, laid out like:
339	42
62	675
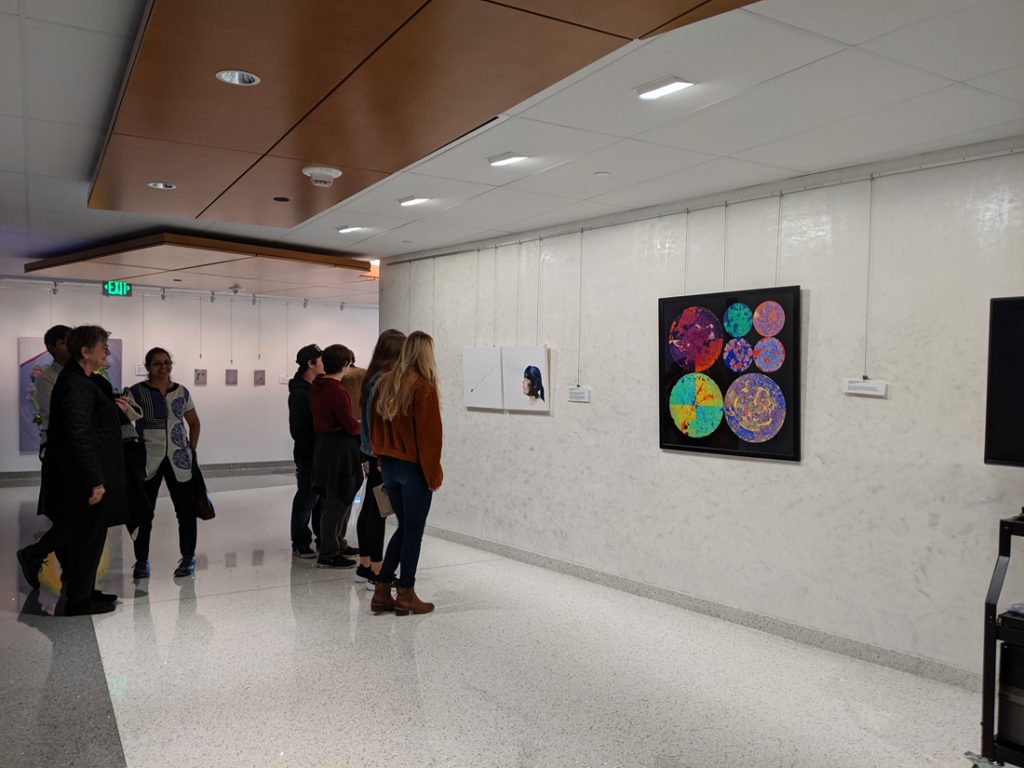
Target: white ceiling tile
10	97
62	149
73	75
117	17
499	207
12	144
795	102
53	193
85	227
383	199
9	6
963	44
568	214
138	222
544	145
853	22
15	249
1008	83
723	55
932	116
10	48
245	231
12	190
720	175
322	232
13	220
626	162
420	235
1014	128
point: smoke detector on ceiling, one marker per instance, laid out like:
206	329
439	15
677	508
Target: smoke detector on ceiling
321	176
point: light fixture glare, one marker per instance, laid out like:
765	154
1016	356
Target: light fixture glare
238	77
662	87
412	200
161	185
505	158
346	230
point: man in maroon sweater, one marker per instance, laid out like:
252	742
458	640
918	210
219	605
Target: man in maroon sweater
337	465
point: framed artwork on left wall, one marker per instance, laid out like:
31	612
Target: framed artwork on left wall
729	370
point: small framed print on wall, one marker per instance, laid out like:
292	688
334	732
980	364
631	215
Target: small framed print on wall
729	368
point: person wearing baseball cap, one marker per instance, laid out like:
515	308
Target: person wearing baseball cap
306	505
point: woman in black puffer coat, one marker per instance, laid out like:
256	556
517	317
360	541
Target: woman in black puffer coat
84	483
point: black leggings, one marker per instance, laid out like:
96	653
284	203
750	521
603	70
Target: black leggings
370	525
184	508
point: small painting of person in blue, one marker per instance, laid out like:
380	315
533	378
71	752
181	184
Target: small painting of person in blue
533	386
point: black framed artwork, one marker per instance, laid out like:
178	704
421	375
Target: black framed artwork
730	373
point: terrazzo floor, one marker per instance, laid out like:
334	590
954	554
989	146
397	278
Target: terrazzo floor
264	660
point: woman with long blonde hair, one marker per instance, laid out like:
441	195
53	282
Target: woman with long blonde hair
406	436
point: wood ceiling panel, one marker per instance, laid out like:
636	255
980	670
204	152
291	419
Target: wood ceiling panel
92	270
130	163
630	20
251	198
274	269
161	257
702	11
456	65
300	48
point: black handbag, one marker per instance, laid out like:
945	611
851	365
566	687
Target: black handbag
200	496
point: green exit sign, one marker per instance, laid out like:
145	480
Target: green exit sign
117	288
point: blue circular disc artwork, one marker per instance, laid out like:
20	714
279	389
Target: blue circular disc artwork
769	354
755	408
738	355
737	320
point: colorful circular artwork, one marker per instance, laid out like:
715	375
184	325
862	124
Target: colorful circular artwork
769	317
738	355
755	408
695	405
737	320
695	339
769	354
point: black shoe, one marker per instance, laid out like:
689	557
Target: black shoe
30	565
87	608
350	551
365	573
186	567
102	597
141	569
305	552
338	561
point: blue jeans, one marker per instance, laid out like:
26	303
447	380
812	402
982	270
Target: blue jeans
305	506
410	498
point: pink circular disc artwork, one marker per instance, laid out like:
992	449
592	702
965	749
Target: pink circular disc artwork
769	317
695	339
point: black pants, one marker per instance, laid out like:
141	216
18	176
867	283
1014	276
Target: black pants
184	508
81	557
370	526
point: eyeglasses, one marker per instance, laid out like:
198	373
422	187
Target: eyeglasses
161	363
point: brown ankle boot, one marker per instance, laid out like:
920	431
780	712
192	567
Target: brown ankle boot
382	599
407	602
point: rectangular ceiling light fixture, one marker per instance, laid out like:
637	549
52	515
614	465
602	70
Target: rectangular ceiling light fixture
505	158
663	87
407	201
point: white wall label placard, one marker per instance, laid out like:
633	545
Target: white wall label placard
579	394
481	377
525	378
864	387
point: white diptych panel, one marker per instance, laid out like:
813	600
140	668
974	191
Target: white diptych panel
481	377
525	377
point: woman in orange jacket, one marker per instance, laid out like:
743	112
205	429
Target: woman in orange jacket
406	436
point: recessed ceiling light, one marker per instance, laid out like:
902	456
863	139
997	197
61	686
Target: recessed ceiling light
663	87
161	185
346	230
602	173
238	77
505	158
412	200
281	199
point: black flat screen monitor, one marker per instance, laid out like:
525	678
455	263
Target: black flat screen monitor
1004	411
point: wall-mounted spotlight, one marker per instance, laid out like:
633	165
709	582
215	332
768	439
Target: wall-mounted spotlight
212	296
305	303
254	299
341	307
163	294
54	289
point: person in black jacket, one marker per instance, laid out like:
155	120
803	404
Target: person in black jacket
83	468
306	505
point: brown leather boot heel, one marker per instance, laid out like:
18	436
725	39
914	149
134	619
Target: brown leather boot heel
382	599
407	602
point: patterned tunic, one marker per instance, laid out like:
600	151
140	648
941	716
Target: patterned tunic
162	428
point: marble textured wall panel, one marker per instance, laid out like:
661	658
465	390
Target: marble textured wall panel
394	295
885	531
421	296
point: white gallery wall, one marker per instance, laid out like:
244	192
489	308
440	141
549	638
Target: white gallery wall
884	533
240	424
